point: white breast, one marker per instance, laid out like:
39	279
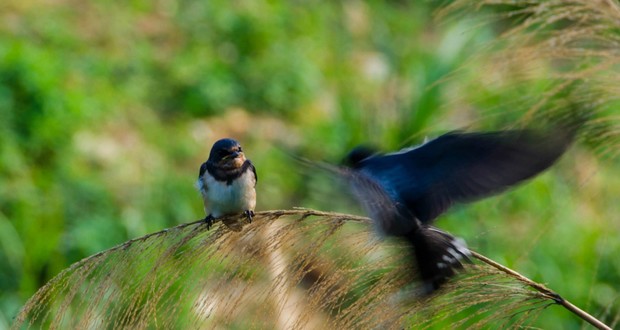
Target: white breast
222	199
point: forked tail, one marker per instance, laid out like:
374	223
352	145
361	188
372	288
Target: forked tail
438	255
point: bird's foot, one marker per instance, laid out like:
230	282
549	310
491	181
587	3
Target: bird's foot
249	214
209	221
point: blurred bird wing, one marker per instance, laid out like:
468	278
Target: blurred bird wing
386	214
462	167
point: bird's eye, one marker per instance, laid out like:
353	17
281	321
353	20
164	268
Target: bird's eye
240	149
223	152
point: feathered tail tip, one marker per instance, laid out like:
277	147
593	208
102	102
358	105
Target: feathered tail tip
438	255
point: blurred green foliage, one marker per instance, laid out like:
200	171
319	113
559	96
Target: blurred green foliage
107	108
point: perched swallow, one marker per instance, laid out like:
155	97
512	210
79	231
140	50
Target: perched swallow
403	192
227	182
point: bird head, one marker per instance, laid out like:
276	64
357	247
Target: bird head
227	153
357	155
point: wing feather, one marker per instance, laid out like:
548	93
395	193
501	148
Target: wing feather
463	167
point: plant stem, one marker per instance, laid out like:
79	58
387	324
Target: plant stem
303	213
545	291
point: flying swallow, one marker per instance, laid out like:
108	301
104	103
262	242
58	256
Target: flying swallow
404	192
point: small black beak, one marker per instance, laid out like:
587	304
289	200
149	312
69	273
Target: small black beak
232	155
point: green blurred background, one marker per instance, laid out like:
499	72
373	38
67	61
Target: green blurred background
107	109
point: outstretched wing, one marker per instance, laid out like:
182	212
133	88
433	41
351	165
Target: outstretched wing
388	217
462	167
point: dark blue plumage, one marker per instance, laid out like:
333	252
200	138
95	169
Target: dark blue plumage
404	192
